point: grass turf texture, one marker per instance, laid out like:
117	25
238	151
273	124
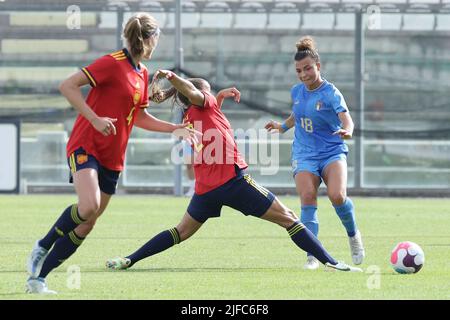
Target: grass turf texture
232	257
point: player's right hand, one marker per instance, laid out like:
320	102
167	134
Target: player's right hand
163	74
273	126
187	132
104	125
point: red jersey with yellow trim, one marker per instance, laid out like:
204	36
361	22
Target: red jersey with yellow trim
118	91
217	154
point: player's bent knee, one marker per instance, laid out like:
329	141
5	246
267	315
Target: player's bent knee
337	198
309	197
88	209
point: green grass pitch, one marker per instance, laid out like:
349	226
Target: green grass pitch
232	257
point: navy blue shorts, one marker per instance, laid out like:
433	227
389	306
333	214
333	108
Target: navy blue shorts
241	193
107	179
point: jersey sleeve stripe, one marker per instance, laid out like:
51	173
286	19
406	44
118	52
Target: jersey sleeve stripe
90	77
72	165
117	52
115	55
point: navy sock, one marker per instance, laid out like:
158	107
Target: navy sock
68	221
158	243
63	249
306	241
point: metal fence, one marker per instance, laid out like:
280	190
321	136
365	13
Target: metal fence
394	72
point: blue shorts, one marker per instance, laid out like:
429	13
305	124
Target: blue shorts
241	193
107	179
316	167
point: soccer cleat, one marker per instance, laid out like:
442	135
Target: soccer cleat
311	263
341	266
356	248
38	286
36	260
118	263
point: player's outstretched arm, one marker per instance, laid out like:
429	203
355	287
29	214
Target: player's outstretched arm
228	93
186	88
146	121
273	126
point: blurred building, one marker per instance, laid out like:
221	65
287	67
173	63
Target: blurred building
248	44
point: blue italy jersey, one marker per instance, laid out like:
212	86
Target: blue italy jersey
316	118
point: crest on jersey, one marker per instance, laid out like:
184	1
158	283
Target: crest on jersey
82	158
319	105
137	92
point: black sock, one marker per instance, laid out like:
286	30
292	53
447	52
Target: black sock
306	240
68	221
63	249
158	243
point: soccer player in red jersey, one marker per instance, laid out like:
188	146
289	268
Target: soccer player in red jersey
97	144
221	180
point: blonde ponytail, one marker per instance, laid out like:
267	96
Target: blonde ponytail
138	28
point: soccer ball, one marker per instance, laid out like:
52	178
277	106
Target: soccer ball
407	257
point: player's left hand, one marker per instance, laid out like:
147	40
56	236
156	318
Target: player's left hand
344	134
273	126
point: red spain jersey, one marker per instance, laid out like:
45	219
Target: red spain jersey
217	154
118	91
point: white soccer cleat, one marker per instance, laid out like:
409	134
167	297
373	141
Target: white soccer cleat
311	263
118	263
38	286
36	260
357	248
341	266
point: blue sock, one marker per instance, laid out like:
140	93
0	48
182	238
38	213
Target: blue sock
68	221
63	249
306	241
158	243
346	213
309	218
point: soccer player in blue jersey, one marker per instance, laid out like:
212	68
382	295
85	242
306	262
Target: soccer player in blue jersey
322	122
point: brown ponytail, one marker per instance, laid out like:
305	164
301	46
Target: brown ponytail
306	47
140	27
159	95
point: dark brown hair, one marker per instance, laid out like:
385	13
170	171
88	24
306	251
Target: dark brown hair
140	27
306	47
